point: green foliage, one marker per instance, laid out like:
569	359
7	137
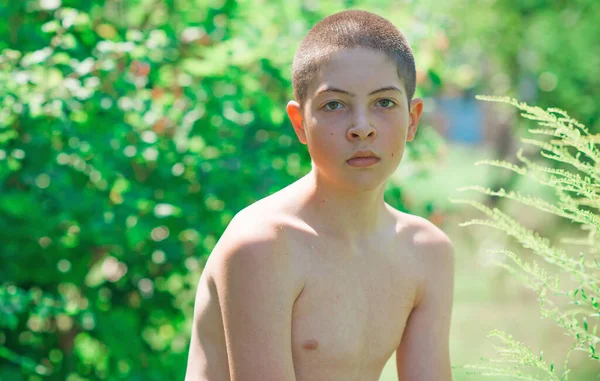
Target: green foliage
540	51
514	351
123	146
575	310
131	132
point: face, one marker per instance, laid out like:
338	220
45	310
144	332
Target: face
355	103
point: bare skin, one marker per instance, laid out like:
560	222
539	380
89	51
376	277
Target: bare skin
323	280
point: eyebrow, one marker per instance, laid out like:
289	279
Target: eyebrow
336	90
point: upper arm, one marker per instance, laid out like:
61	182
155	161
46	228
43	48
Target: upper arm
424	353
256	295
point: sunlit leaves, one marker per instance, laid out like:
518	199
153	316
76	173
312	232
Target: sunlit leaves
130	135
577	191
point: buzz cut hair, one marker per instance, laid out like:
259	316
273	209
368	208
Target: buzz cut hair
349	30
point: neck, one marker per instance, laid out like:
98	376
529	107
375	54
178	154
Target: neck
347	214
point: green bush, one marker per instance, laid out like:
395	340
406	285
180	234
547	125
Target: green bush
577	186
130	134
125	149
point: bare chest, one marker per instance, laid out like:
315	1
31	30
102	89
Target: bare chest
351	314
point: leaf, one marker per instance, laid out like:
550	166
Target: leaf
17	204
7	135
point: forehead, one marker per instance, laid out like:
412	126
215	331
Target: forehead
356	70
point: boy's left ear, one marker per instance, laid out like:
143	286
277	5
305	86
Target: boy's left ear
294	112
416	109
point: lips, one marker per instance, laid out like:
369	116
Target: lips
363	159
364	154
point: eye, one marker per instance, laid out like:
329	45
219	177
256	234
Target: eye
332	106
386	103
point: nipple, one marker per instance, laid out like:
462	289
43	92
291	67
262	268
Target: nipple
310	344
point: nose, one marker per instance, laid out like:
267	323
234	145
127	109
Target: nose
361	128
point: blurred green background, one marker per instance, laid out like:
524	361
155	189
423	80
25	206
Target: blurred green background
131	132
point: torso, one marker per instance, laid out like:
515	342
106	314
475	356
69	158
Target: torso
353	310
349	316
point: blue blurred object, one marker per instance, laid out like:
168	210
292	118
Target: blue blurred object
464	117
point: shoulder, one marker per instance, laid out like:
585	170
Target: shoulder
435	251
431	239
256	240
249	232
431	248
424	237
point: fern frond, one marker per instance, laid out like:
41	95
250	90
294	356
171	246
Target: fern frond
503	164
499	371
528	239
572	326
544	132
578	215
577	192
520	356
562	155
479	206
533	269
536	172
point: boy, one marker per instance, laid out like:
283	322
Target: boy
323	281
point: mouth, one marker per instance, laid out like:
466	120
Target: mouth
363	159
364	154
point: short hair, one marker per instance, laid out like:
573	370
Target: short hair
347	30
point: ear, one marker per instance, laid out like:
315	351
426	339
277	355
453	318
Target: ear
416	109
294	112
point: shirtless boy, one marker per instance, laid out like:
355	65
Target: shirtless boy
323	280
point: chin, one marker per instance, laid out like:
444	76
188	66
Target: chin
364	181
358	180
